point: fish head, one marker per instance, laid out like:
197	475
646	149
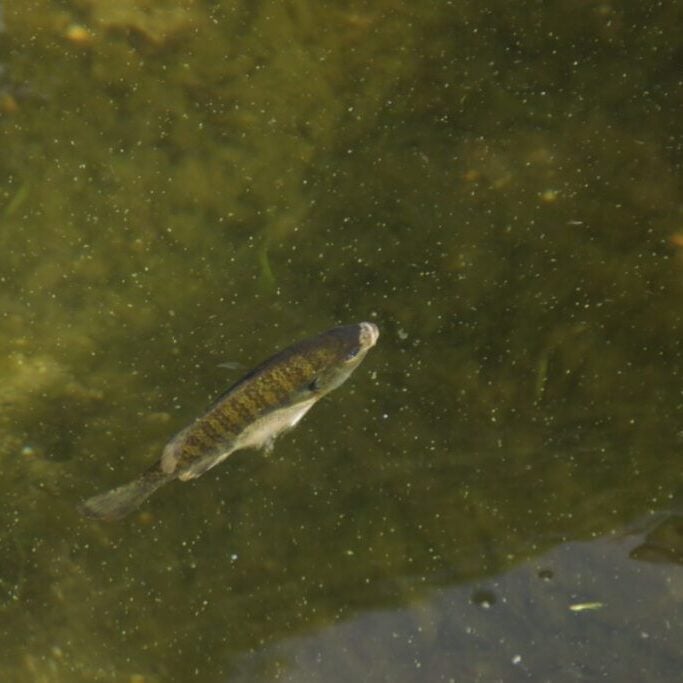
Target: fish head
338	352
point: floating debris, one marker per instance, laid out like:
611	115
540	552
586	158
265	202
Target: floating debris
586	606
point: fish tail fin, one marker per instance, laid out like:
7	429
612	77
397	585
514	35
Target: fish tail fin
121	501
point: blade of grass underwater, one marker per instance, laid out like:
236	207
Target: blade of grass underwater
20	196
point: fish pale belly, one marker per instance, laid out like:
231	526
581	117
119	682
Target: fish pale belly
260	433
173	451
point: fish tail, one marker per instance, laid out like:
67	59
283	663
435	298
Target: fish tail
121	501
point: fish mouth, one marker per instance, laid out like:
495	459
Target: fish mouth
369	333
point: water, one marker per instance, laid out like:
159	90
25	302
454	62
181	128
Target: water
498	189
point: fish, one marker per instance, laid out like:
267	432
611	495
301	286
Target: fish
269	400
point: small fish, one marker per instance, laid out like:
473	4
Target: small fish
270	399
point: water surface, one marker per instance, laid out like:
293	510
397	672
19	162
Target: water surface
496	494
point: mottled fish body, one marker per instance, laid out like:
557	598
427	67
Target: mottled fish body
270	399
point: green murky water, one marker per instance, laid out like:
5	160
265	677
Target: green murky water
497	493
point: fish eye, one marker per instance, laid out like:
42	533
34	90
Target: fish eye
351	355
